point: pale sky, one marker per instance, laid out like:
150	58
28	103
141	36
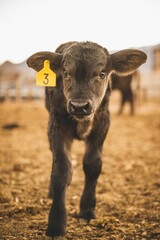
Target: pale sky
28	26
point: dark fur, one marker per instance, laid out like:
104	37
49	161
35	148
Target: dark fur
80	69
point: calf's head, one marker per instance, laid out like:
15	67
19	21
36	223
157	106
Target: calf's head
85	69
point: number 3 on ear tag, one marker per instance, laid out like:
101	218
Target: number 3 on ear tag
46	77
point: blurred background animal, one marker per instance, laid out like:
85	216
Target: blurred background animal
129	87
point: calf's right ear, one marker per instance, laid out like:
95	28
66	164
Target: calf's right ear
36	61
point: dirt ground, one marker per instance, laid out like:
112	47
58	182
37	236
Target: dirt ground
128	191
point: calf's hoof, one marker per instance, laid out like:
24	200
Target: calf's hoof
87	215
56	238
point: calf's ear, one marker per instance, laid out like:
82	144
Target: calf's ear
127	61
36	61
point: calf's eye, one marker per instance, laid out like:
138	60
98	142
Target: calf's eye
102	75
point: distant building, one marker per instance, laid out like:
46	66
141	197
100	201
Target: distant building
150	72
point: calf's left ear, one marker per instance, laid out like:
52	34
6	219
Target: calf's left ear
127	61
36	61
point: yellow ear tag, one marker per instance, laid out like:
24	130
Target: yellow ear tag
46	77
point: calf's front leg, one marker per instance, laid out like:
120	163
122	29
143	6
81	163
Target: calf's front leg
92	164
60	179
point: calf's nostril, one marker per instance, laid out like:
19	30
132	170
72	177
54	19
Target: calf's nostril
86	108
72	107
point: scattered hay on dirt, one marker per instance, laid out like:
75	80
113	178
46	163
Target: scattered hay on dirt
128	191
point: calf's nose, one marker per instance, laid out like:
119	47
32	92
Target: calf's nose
80	108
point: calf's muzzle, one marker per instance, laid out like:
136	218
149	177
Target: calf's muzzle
79	108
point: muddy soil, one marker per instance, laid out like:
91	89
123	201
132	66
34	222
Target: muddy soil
128	191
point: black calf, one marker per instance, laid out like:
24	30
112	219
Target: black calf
78	108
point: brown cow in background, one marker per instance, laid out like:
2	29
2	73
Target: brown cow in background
129	86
